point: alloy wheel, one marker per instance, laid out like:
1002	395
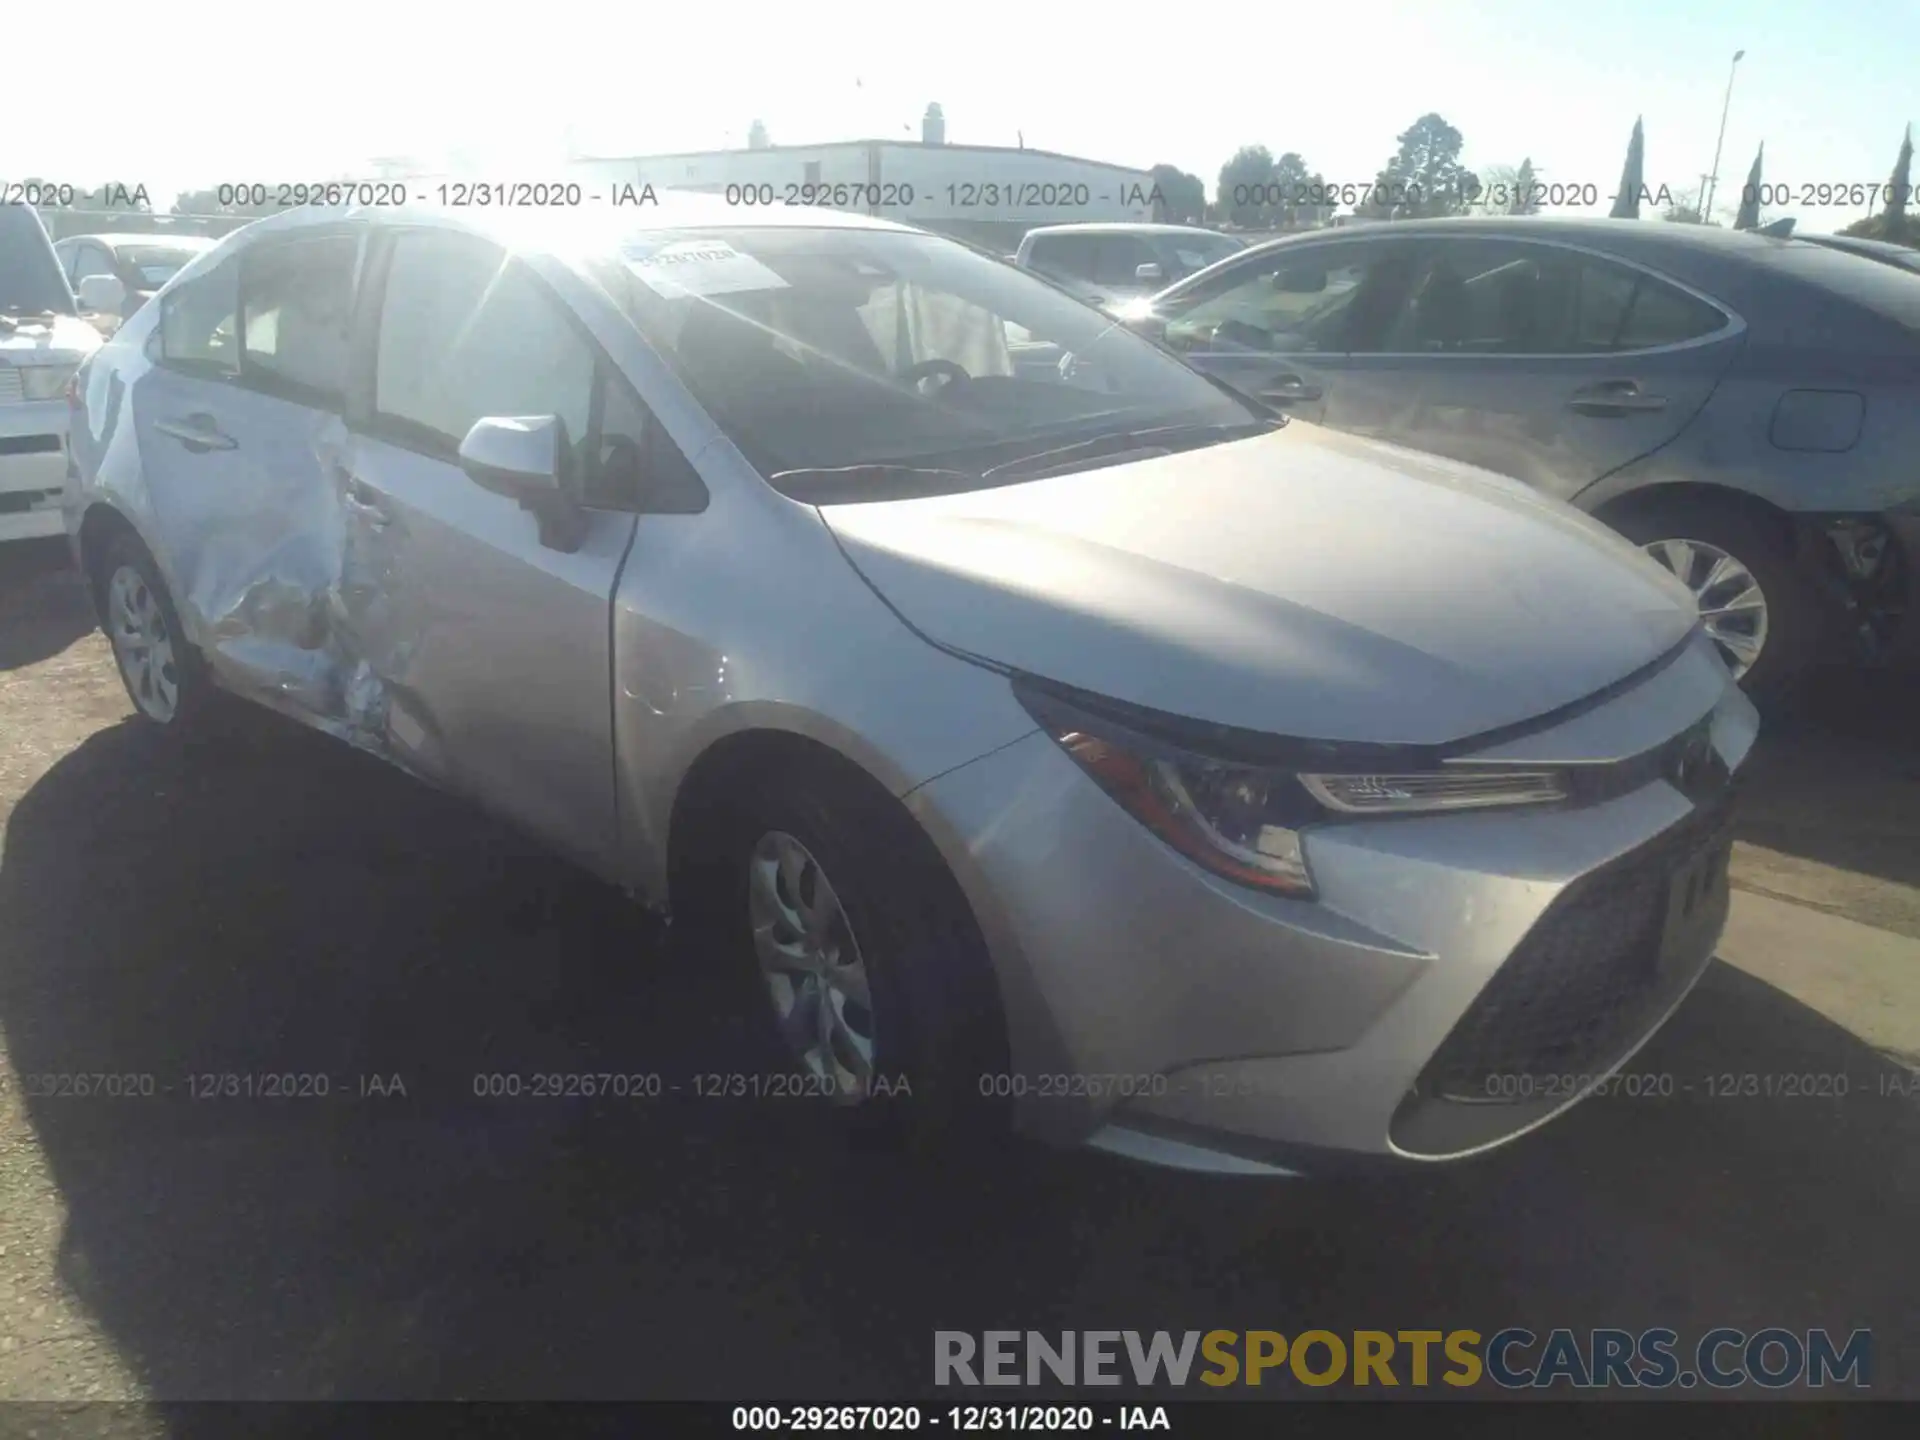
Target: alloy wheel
1733	608
812	966
142	645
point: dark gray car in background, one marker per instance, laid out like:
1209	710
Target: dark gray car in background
1746	407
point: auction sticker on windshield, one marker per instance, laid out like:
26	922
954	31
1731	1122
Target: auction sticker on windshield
697	267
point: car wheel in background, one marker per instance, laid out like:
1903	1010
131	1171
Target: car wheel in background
874	977
1755	605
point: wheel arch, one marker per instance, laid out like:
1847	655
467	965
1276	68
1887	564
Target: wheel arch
1778	522
99	526
763	739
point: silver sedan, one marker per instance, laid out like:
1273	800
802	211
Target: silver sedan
1066	742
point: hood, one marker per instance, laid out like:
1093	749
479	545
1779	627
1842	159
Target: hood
63	339
1304	583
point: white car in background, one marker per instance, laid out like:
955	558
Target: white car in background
43	341
142	263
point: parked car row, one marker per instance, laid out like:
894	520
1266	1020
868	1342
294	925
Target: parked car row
1742	406
42	343
139	264
1067	741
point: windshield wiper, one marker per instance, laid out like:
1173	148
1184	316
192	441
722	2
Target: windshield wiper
1162	438
832	485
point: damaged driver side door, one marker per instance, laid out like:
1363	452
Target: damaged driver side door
483	632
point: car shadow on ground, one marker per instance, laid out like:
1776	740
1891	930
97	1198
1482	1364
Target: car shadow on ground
1835	778
43	608
294	909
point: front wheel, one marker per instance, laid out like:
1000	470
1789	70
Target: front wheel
876	980
1754	605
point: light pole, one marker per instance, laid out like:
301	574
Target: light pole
1713	183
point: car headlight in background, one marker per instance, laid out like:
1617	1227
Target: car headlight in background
1247	822
45	382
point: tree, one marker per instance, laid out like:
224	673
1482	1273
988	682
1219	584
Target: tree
1525	181
1892	222
1626	200
1244	185
1682	208
1497	186
1297	196
1425	177
1183	197
1749	216
757	138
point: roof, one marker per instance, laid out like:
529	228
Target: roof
1125	227
114	239
862	144
1632	237
567	228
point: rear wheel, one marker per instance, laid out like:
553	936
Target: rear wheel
161	670
1754	604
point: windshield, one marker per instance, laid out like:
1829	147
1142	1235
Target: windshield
833	348
156	264
31	282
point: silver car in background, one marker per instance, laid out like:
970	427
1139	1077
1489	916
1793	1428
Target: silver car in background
1087	750
1743	405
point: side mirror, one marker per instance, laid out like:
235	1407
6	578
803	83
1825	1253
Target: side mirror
1300	280
527	458
102	294
1149	271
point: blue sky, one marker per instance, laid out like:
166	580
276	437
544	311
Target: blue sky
230	91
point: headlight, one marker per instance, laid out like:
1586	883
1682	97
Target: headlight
45	382
1441	790
1247	822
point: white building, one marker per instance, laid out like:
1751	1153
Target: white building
989	194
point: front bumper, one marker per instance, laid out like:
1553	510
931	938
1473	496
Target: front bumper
33	468
1160	1011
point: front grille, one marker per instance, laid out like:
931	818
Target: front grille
12	389
1585	982
29	444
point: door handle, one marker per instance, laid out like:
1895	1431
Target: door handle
199	432
1283	389
1611	399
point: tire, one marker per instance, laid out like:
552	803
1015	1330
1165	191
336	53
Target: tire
172	693
1792	616
934	1019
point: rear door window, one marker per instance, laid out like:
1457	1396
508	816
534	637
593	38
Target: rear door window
199	329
